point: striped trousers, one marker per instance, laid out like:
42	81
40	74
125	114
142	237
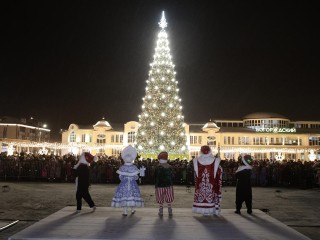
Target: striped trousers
164	194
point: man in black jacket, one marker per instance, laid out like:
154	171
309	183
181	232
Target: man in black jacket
82	180
243	187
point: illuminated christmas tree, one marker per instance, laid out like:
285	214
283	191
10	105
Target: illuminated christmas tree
161	121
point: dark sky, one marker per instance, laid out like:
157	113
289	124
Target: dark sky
68	62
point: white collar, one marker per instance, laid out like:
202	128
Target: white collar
163	161
243	167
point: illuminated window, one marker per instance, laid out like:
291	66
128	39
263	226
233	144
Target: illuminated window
314	141
193	139
72	137
101	140
131	137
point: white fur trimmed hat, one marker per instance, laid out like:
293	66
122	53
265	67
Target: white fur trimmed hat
205	149
129	154
90	158
163	156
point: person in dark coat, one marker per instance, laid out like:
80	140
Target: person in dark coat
83	180
243	187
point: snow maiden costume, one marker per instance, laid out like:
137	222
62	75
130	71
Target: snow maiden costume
127	193
82	180
243	187
208	183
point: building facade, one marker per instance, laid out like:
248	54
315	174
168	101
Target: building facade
263	135
19	134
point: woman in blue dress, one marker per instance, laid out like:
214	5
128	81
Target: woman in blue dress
127	193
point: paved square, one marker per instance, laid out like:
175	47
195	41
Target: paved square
108	223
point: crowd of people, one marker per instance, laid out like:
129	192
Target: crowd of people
53	168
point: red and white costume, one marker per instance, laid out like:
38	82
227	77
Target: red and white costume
208	183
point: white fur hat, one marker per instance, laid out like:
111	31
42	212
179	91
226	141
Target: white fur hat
129	154
86	158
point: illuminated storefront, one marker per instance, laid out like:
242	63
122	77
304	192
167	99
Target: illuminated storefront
264	135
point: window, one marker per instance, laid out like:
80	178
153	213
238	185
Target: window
121	138
191	139
243	140
314	141
72	137
194	139
83	138
131	137
101	140
228	140
272	141
115	152
112	138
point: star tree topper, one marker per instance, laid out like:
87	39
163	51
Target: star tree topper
163	23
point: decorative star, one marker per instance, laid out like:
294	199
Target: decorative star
163	23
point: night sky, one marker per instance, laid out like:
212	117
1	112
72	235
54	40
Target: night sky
65	62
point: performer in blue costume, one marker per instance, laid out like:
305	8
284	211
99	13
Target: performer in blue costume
127	193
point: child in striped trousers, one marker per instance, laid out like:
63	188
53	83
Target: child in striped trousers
164	183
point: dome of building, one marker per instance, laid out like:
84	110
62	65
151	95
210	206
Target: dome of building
263	115
102	123
210	126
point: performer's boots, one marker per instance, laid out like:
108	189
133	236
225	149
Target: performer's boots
133	211
125	211
160	211
170	211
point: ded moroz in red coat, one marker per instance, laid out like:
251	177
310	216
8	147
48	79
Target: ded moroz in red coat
208	183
